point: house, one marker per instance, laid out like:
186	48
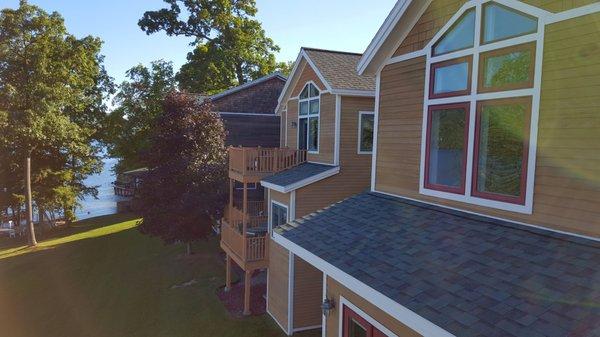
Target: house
483	215
249	111
327	113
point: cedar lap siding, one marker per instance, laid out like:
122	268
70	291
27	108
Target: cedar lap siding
259	99
567	174
353	178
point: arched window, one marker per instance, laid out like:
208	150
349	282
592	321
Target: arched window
481	96
308	118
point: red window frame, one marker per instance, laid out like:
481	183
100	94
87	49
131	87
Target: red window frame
350	314
520	200
466	59
457	190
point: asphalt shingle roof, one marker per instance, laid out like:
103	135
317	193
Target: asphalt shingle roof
339	69
297	174
470	275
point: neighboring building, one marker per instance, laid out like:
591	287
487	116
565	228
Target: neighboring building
249	112
483	217
327	118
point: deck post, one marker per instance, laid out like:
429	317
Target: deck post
230	194
247	283
227	272
245	218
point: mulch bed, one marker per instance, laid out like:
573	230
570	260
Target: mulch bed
233	300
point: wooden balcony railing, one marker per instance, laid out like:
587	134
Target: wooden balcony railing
261	161
248	248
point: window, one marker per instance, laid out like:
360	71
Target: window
475	147
501	22
460	36
240	185
366	122
357	326
446	147
451	78
308	118
507	68
278	214
501	147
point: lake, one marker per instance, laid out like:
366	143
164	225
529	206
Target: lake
107	200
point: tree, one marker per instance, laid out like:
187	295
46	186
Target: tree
52	87
138	103
230	46
184	191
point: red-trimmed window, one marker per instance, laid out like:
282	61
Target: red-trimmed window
446	148
501	149
356	326
451	78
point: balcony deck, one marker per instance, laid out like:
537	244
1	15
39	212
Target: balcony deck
250	165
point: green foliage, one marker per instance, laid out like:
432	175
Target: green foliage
185	190
231	48
52	87
138	103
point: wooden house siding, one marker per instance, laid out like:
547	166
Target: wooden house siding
557	6
567	183
282	198
307	73
277	283
335	290
292	131
308	294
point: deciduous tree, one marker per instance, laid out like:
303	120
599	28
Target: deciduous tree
184	192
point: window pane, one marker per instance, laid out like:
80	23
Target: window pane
313	91
356	330
508	71
279	215
501	23
366	132
314	106
460	36
303	108
447	147
302	133
450	78
304	93
501	144
313	134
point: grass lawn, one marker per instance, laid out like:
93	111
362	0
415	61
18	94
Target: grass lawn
103	278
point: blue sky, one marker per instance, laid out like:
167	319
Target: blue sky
331	24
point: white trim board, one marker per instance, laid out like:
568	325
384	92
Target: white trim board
290	292
346	303
338	126
276	321
389	306
306	328
292	187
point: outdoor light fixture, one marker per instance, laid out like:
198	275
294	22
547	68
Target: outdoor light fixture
327	306
294	125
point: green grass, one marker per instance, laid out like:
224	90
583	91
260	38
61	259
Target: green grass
103	278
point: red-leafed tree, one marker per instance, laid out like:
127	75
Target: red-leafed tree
185	190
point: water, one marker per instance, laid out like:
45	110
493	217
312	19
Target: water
107	200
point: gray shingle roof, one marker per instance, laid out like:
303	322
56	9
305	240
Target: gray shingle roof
470	275
297	174
339	69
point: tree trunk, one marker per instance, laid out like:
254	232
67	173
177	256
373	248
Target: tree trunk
32	240
189	248
239	71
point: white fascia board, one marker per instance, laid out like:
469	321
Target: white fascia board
353	92
394	309
292	187
384	31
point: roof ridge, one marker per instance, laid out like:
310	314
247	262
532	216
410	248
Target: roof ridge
249	84
332	51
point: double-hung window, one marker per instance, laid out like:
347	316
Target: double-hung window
308	118
481	95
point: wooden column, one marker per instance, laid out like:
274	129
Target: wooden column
227	272
247	281
231	183
245	217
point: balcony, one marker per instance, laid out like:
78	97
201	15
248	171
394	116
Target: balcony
252	164
245	237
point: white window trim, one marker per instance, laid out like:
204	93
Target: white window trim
346	303
473	98
360	114
287	212
308	116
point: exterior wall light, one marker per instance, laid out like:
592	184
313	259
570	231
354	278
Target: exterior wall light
327	306
294	125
